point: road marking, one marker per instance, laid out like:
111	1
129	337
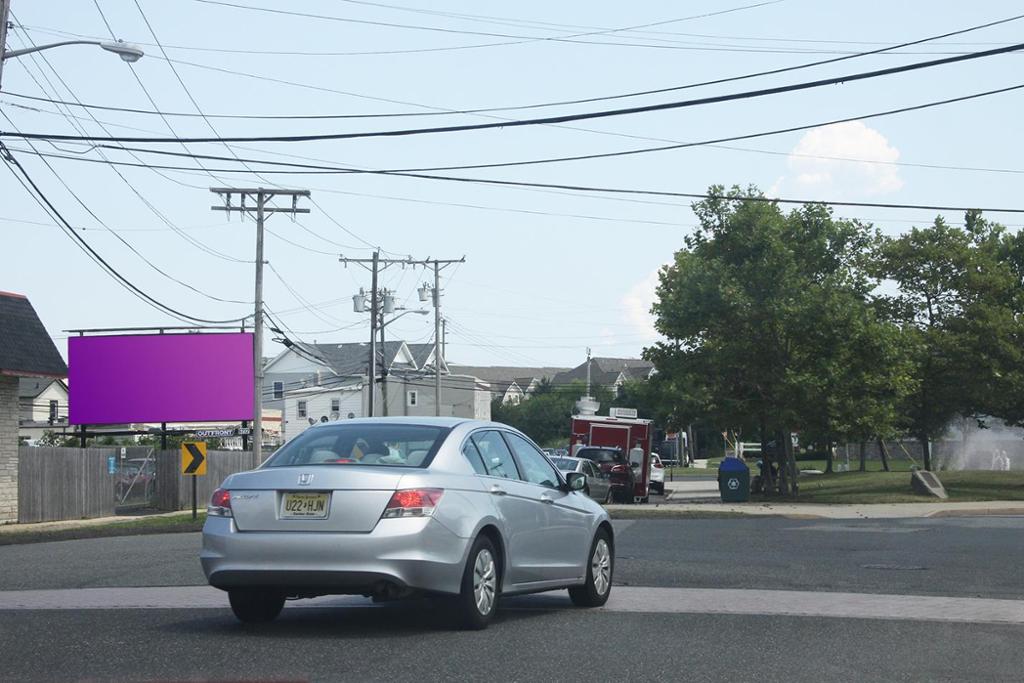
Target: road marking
623	599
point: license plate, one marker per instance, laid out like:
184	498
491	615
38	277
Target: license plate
304	505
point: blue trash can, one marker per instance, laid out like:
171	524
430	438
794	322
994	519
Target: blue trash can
734	481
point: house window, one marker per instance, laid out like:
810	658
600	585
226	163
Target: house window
278	390
335	405
53	411
302	408
412	398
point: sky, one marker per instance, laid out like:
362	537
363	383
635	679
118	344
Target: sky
548	273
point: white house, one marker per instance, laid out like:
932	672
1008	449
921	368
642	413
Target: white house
42	406
313	383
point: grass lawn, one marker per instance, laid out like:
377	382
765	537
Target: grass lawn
146	525
897	465
894	487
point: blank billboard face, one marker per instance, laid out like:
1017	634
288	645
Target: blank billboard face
160	378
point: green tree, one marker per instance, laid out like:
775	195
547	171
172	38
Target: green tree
768	320
959	304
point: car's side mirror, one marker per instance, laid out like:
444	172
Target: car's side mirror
575	481
634	465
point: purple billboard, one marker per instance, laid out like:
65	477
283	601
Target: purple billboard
160	378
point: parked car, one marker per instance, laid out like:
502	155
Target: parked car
614	467
398	507
597	486
657	475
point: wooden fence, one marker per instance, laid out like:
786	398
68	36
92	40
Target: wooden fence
57	484
64	483
174	490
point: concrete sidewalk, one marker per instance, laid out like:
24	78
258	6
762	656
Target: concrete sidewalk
682	490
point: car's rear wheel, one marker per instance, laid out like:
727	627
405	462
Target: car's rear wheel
600	568
478	599
255	606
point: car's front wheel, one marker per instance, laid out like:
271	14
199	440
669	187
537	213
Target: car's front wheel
600	568
478	599
255	606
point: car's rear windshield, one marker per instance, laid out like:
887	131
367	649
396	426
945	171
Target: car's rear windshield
600	454
395	445
564	464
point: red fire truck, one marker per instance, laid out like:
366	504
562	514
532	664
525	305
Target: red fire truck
623	430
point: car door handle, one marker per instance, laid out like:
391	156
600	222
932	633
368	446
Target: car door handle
546	498
498	491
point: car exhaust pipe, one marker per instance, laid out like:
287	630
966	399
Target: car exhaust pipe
384	591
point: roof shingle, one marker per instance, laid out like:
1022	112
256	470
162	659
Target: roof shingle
25	347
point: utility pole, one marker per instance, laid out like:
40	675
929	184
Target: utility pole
261	197
372	370
376	264
383	370
437	338
444	338
5	10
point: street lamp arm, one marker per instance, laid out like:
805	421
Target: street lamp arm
127	51
388	322
39	48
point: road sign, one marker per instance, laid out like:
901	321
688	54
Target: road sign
193	458
112	464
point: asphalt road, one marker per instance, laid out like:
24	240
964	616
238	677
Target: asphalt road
543	636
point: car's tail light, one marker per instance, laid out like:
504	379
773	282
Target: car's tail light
220	504
412	503
619	469
658	465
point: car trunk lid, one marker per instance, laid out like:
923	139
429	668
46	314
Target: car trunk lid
342	498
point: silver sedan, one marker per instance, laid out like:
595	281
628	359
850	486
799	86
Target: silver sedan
398	507
598	485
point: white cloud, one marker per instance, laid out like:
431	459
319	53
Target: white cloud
637	304
817	177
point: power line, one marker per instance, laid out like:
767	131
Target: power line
680	45
444	112
197	243
92	213
664	106
37	194
421	173
568	38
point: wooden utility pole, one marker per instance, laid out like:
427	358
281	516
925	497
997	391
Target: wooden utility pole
437	338
375	265
5	10
258	199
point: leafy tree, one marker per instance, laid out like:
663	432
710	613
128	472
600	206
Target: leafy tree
959	304
768	322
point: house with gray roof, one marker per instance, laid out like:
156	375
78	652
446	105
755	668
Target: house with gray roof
313	383
26	350
511	384
608	372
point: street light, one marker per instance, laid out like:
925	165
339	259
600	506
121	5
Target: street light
129	52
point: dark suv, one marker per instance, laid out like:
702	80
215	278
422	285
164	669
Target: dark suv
614	466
